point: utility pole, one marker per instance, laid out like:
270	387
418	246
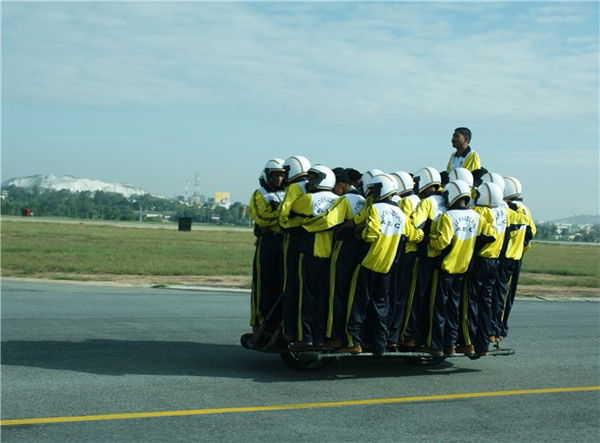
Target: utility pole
186	191
197	186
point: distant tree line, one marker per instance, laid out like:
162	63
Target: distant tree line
101	205
562	232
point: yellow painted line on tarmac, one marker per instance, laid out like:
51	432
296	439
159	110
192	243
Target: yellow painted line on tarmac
335	404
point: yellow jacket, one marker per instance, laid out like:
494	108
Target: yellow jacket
427	213
345	208
516	244
311	205
385	225
471	161
263	208
498	220
292	193
408	205
457	230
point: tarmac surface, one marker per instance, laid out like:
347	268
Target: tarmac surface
139	364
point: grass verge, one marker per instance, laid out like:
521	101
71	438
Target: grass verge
34	248
101	253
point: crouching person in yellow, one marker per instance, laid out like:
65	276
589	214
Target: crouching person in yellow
313	263
385	227
453	238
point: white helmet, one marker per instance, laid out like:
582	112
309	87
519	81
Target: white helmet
325	178
488	194
493	177
382	186
273	165
296	167
513	188
366	178
426	177
456	190
405	182
461	174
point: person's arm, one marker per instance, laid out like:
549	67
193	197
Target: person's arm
530	232
293	192
486	232
335	215
261	211
441	233
422	213
407	206
372	230
412	234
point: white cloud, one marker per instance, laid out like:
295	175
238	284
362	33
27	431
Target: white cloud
349	63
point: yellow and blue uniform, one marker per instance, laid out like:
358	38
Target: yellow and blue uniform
481	295
453	239
427	212
481	280
403	276
510	266
264	208
292	243
408	205
345	256
313	268
469	160
267	273
385	227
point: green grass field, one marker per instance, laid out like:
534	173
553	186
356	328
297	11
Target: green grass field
30	249
573	265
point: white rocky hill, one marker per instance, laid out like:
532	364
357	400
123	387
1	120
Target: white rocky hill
74	184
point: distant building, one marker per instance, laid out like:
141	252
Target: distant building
223	198
198	198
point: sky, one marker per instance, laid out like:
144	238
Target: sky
152	93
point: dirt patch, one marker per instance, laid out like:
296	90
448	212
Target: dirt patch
226	281
548	291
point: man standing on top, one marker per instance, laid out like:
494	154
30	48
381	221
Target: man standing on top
464	157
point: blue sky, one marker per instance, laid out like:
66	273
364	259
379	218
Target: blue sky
152	93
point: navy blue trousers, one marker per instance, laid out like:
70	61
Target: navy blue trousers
444	312
481	291
399	296
369	295
347	254
506	289
292	246
313	298
417	326
267	280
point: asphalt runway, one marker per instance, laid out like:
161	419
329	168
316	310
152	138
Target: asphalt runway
109	364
